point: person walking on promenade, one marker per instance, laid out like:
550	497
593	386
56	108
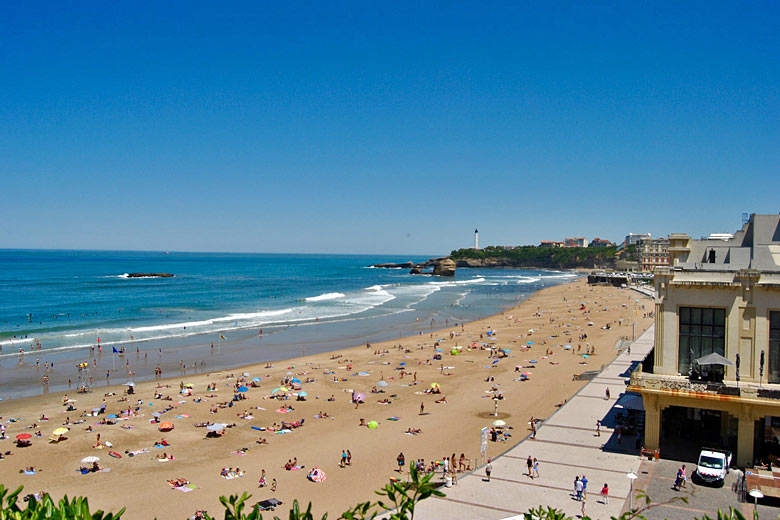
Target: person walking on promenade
582	506
530	464
606	393
598	428
533	428
605	493
579	488
536	468
584	481
488	470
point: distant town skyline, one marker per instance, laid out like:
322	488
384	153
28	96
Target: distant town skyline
383	129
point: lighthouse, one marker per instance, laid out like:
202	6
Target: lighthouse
476	239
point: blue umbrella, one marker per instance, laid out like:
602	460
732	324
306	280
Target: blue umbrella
533	361
402	364
296	380
303	394
256	379
529	343
112	416
242	389
507	350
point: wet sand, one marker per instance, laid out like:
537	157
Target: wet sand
140	482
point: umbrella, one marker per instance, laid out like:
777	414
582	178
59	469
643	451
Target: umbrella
402	364
303	393
188	385
382	383
567	347
529	342
373	425
90	459
215	427
296	380
246	374
525	374
714	359
359	396
23	436
242	389
60	431
499	423
586	356
156	414
506	350
435	385
256	379
129	383
533	361
166	426
280	389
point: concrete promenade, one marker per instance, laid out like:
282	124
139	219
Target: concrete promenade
566	445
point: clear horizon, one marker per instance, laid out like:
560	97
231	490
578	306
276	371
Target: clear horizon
357	129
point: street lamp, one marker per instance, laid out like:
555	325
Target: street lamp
631	478
756	494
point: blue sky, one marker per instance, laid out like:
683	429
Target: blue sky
359	127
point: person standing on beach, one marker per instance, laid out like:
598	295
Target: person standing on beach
488	470
343	461
401	461
349	458
598	428
536	468
422	408
530	464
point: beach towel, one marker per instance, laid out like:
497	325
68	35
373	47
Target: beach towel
283	410
238	452
163	460
185	489
29	472
258	428
393	418
282	432
136	452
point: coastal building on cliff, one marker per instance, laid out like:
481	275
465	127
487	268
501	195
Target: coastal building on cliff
575	242
713	377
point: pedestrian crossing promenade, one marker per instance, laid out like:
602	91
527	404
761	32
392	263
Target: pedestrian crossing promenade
566	446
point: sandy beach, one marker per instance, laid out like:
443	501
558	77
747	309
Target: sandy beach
400	372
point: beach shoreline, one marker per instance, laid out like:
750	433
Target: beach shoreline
443	425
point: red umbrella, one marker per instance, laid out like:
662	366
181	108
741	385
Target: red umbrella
166	426
23	436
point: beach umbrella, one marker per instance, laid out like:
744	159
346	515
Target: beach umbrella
90	459
242	389
499	423
215	427
529	342
280	389
567	347
296	380
246	374
166	426
382	383
156	414
188	385
402	364
303	393
373	425
360	396
435	385
526	374
129	383
533	361
23	436
111	416
256	379
531	330
60	431
585	356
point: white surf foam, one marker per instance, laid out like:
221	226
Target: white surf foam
326	296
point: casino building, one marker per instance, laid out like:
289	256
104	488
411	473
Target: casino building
713	376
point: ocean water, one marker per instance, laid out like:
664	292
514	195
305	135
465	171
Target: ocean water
71	302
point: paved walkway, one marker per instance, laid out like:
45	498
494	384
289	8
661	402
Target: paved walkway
566	445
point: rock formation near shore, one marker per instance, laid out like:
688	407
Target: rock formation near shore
445	267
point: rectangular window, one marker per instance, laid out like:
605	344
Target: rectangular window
702	332
774	347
